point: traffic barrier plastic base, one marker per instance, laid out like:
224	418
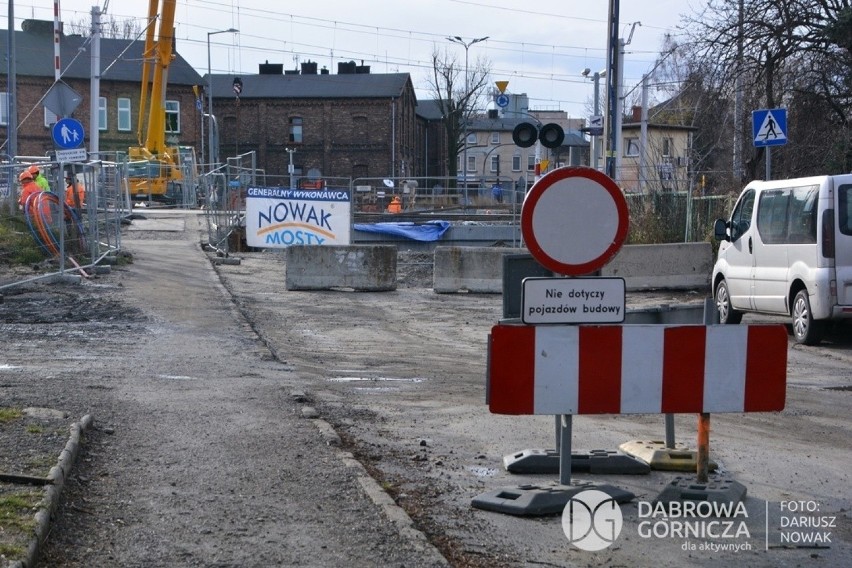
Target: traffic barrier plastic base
719	488
659	457
594	462
538	500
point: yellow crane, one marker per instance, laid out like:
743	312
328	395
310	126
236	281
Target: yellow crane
157	170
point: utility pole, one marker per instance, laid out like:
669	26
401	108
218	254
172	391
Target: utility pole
95	86
465	107
291	169
613	89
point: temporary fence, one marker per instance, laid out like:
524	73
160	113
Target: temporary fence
221	193
657	217
223	197
435	194
675	216
78	226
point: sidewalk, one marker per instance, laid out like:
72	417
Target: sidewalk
211	462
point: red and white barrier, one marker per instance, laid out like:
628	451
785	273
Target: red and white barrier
637	369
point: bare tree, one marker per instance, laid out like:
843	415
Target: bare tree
459	98
790	53
110	28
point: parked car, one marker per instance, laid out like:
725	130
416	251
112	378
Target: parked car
787	249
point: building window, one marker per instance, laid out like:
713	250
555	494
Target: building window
458	163
495	164
124	115
49	118
4	109
296	129
668	146
531	163
495	137
471	138
102	113
516	163
631	147
471	163
172	116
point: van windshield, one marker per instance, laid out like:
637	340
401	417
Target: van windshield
844	215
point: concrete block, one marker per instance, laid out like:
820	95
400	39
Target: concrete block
669	266
360	267
471	269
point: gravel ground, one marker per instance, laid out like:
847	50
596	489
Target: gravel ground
200	375
199	454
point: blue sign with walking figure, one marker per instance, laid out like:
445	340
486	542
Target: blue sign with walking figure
68	133
769	127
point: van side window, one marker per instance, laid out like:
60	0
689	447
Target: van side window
801	228
788	216
772	215
844	216
741	217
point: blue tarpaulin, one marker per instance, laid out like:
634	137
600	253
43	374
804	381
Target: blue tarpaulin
428	231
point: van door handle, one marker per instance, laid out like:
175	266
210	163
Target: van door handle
749	245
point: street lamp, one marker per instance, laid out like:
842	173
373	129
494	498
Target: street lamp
460	41
213	152
596	77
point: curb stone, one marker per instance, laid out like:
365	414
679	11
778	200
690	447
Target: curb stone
393	512
58	475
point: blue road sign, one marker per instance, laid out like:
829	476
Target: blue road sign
502	100
67	133
769	127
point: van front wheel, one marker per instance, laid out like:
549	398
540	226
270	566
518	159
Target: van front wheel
727	314
805	329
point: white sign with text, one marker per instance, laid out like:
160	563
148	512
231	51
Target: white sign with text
279	217
572	300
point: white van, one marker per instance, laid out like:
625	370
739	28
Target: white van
787	249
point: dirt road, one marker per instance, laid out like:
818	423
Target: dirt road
198	376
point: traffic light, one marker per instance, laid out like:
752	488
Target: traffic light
525	134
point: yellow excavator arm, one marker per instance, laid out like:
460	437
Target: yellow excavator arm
163	162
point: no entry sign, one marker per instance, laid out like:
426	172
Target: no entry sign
574	220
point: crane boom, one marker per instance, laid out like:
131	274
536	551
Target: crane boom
155	167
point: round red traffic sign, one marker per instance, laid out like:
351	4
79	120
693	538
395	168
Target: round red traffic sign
574	220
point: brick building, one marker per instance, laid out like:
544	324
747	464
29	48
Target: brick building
349	124
121	72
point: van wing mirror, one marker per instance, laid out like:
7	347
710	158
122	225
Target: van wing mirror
720	230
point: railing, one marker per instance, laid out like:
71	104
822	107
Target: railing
77	234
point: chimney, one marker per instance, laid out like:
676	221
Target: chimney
637	113
309	67
345	68
40	27
270	68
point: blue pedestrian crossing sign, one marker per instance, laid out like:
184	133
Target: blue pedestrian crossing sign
67	133
769	127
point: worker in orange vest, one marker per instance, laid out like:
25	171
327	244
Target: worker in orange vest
75	192
28	188
395	205
39	178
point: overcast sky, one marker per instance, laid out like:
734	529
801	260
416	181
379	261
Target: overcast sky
541	51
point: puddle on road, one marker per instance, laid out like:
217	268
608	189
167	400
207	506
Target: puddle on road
377	384
375	379
482	471
176	377
6	367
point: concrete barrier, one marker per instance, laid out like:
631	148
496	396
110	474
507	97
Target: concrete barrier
671	266
370	268
470	269
676	266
